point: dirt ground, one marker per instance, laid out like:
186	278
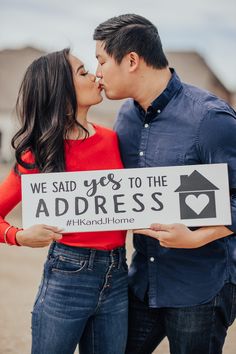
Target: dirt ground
20	273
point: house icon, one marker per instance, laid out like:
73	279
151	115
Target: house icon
196	197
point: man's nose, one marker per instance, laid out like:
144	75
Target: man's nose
99	72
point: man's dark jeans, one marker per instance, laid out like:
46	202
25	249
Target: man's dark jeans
190	330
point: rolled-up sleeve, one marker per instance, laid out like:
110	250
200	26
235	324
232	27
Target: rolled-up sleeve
216	143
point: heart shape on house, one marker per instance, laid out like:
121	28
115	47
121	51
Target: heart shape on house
197	203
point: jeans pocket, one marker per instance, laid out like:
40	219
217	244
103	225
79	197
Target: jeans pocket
225	301
124	266
44	283
40	291
67	265
233	309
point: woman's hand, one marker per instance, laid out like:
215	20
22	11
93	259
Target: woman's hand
38	236
180	236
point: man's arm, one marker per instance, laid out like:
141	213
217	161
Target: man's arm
216	143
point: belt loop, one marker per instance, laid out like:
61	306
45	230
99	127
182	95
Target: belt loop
91	259
51	249
120	257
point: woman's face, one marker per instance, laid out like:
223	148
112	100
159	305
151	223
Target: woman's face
88	91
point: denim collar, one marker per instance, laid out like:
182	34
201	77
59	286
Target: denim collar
157	106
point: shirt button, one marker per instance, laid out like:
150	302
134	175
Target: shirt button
152	259
158	111
146	125
141	153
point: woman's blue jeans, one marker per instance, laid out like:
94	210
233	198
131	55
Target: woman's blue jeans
82	299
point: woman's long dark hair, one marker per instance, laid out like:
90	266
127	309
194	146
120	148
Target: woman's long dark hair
46	106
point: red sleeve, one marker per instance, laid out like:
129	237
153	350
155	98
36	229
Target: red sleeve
10	196
117	152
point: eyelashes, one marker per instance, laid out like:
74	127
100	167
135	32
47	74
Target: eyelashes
85	73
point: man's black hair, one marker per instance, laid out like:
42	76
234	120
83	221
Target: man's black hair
131	33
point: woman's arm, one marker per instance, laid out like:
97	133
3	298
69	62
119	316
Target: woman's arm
10	196
35	236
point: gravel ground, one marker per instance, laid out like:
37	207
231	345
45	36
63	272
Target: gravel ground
20	273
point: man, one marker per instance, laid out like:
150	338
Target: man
182	281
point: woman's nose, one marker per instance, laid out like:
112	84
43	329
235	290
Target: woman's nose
93	77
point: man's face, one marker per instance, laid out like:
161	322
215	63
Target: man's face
111	74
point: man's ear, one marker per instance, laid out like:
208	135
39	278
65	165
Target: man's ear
133	61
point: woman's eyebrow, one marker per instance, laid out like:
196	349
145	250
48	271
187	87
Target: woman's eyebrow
80	67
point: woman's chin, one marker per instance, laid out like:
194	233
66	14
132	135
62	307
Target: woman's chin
99	100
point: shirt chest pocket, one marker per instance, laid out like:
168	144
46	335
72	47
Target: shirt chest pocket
168	157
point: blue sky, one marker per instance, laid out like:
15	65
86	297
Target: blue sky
208	26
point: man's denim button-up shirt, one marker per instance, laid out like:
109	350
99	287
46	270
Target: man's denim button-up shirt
183	126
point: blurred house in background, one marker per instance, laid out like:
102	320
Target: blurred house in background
190	66
13	64
193	69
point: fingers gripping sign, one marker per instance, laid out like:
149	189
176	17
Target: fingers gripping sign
171	235
39	235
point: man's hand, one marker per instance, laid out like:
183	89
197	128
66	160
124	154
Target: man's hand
180	236
38	236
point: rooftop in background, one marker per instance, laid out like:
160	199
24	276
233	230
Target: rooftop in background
193	68
190	66
13	64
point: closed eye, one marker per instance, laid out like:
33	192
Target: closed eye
84	73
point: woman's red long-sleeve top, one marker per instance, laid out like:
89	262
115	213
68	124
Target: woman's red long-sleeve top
98	152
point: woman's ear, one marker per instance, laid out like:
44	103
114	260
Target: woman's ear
133	59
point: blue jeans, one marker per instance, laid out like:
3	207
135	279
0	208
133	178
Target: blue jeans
83	298
199	329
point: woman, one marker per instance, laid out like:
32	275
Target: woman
83	294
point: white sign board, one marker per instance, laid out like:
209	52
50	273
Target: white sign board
195	195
